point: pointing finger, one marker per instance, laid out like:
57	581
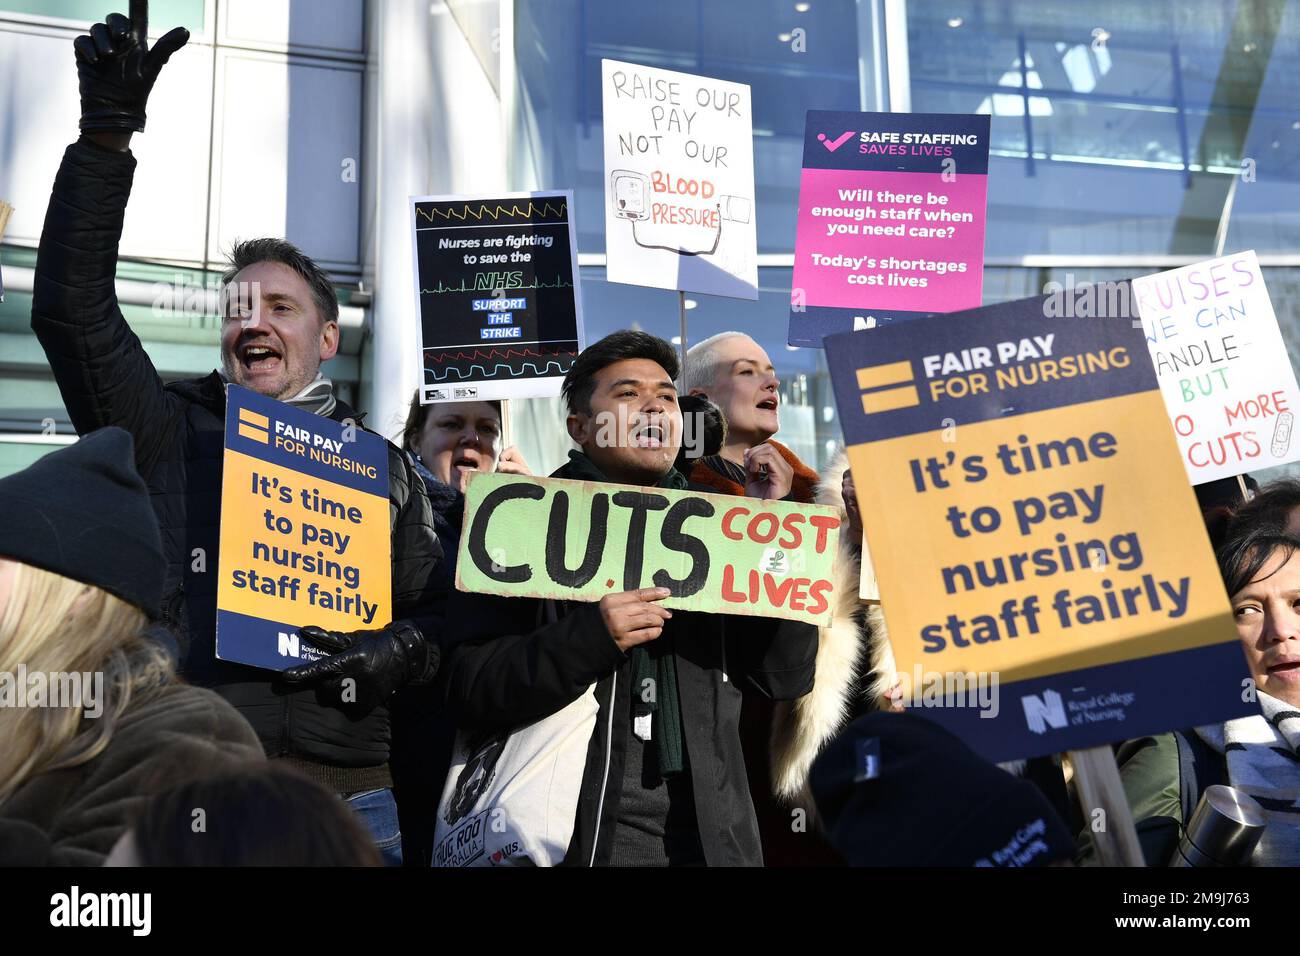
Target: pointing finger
139	10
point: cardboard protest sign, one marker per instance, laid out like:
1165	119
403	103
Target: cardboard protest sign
1222	365
1044	570
496	290
304	531
891	220
581	540
679	181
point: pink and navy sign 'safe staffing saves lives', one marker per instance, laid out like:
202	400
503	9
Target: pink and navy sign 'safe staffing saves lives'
891	220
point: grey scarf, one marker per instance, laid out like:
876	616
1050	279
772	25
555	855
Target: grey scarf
1263	758
317	398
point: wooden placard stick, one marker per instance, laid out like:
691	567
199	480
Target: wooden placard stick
5	210
681	319
1097	776
505	423
868	586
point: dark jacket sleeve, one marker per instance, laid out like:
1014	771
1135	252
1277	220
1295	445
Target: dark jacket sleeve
504	671
775	658
1149	769
420	586
418	591
103	372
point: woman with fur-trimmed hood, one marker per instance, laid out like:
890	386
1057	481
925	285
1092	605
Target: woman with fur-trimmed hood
853	674
855	666
780	740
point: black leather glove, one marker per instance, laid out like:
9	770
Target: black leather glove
117	69
379	661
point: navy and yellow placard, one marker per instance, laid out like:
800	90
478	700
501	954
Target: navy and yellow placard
1044	569
305	533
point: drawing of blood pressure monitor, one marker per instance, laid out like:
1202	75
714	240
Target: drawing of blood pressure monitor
631	195
631	201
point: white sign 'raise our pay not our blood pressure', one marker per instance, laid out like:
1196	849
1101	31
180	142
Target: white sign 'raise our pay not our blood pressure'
1222	365
679	181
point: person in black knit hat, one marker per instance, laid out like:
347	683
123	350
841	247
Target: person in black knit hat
92	718
899	790
83	512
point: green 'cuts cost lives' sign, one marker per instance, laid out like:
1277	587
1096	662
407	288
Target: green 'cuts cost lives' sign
579	540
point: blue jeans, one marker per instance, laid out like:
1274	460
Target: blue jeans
378	811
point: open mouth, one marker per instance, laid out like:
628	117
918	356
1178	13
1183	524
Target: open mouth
768	404
649	436
260	358
1290	667
466	461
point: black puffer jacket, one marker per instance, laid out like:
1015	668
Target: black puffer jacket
106	378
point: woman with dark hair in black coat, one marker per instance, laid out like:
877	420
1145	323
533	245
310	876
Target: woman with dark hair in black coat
447	443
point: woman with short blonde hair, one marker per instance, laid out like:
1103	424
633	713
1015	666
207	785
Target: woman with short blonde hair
92	718
55	625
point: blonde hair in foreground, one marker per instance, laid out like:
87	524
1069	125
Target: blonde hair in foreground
56	625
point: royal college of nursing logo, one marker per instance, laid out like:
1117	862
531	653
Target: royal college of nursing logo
1045	711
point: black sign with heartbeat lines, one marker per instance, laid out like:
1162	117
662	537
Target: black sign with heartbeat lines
497	293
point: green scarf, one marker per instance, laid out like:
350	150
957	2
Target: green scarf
654	665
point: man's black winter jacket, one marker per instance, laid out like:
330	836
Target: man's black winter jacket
106	378
514	661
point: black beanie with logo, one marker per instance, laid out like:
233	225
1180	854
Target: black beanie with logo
84	512
899	790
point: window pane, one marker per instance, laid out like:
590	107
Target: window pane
1120	127
163	14
558	133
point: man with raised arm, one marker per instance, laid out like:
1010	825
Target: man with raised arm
280	323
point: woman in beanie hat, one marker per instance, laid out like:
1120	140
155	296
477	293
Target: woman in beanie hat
92	718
